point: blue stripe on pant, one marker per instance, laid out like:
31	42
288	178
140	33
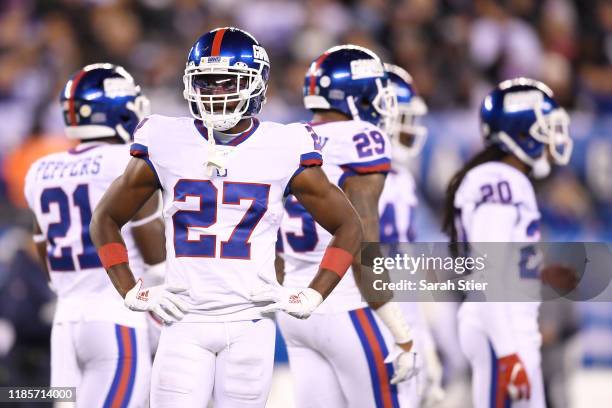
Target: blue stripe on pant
494	381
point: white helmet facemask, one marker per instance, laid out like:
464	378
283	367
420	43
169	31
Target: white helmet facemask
407	122
385	101
550	129
553	129
221	110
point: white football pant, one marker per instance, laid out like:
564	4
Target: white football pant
228	363
109	364
479	352
337	360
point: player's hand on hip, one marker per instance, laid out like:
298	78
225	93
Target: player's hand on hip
513	378
297	302
404	363
161	300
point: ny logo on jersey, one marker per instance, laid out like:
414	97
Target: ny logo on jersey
221	172
318	142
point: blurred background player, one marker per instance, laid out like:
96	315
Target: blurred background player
397	206
491	199
456	51
97	345
347	343
224	176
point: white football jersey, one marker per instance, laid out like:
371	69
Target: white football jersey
349	148
221	230
63	189
397	206
497	203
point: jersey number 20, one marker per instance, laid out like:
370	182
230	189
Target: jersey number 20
204	245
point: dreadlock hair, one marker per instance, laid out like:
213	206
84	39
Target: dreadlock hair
490	153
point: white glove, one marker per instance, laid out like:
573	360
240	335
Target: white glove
434	393
404	365
298	302
161	300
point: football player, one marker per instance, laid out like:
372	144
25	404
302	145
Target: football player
397	206
491	199
97	345
353	353
223	176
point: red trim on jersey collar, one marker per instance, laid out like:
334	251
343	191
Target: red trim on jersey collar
235	141
216	45
73	87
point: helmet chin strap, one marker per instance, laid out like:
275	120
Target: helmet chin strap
351	105
123	134
540	167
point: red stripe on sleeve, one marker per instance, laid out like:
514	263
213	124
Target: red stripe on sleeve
384	167
311	162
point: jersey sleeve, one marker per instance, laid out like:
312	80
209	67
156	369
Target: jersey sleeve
115	159
365	151
141	146
308	150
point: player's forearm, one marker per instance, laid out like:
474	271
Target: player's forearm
279	267
365	279
345	247
105	230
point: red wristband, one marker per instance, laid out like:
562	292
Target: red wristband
336	260
112	254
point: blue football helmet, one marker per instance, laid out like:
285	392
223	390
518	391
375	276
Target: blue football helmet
407	135
522	118
226	77
351	80
102	101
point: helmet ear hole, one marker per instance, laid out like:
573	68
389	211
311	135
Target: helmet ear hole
364	103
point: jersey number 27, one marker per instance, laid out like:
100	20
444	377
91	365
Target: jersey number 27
204	245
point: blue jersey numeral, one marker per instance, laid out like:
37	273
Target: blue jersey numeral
308	239
369	143
389	228
64	262
500	193
89	257
58	229
389	233
529	264
203	217
238	245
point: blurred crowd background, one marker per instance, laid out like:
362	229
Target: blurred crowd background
456	51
